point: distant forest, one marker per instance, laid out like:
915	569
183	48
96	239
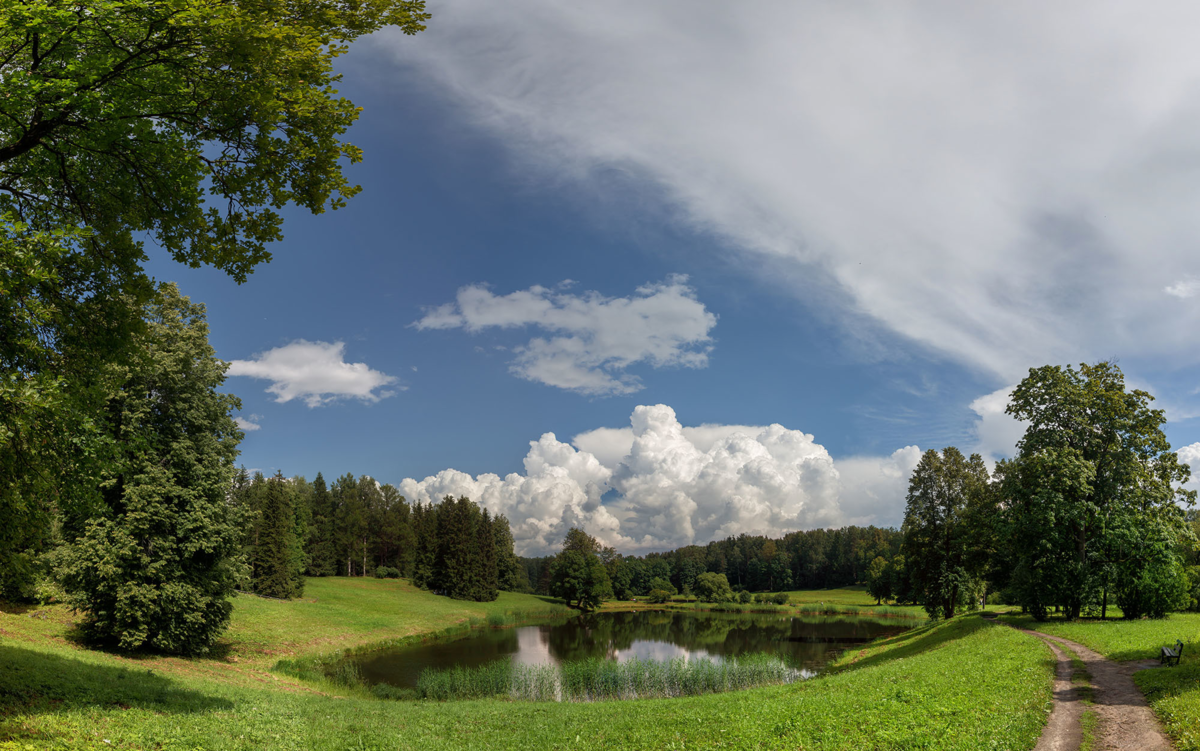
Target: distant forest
357	526
817	559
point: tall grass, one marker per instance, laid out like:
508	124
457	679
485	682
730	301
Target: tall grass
599	679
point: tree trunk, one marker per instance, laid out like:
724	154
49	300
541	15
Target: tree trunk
1104	603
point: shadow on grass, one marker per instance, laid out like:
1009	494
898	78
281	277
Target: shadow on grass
919	640
38	683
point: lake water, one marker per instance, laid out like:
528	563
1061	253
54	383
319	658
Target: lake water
808	644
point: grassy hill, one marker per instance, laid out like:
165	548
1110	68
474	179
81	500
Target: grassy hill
967	684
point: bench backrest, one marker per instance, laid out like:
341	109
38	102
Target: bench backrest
1179	646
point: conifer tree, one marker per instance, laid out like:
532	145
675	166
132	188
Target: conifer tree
156	566
322	556
487	580
278	565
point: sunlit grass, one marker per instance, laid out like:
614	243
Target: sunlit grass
965	684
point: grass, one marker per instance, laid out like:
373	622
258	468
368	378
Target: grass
597	679
965	684
1173	692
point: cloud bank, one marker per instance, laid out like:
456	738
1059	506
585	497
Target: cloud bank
1010	183
594	338
658	485
316	372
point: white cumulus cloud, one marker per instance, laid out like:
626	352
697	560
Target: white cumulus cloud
592	339
659	484
248	425
316	372
1011	183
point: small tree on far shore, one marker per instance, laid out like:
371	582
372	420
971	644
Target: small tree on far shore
879	579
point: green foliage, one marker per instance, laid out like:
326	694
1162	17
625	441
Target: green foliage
664	585
658	596
157	566
879	579
279	562
1092	495
143	116
578	575
939	529
714	588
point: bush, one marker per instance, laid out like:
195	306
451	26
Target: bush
780	598
387	572
712	587
745	597
658	596
664	584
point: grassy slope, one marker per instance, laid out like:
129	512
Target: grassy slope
966	684
1173	692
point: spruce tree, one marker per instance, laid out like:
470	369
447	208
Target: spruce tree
322	556
486	577
277	564
156	565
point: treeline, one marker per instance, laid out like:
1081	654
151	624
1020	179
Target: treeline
360	527
816	559
1088	513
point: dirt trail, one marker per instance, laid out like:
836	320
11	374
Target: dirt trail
1063	730
1126	720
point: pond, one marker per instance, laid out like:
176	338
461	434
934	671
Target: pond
807	644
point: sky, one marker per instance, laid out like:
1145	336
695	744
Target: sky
671	273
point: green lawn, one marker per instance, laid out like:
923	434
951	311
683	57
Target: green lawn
967	684
1173	692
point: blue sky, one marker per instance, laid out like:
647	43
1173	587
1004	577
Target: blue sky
842	221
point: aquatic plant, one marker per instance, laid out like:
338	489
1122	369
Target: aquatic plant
598	679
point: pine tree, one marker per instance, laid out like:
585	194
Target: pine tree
322	555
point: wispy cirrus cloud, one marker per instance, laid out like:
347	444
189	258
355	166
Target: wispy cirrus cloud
1007	183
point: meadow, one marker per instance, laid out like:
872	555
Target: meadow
965	684
1173	692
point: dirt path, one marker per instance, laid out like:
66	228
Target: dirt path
1126	721
1063	730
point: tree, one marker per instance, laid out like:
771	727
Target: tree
1092	495
713	587
879	580
189	123
941	567
663	585
278	561
321	550
190	120
156	564
578	575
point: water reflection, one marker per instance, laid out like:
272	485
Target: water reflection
804	643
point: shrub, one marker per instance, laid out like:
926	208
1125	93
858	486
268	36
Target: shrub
780	598
745	597
387	572
711	587
658	596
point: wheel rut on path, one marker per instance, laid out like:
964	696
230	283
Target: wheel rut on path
1126	720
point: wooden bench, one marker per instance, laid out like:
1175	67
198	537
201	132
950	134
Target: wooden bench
1168	656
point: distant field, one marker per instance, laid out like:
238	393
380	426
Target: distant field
338	612
1173	692
967	684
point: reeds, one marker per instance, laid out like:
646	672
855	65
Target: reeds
598	679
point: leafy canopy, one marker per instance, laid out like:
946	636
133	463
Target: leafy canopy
191	120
